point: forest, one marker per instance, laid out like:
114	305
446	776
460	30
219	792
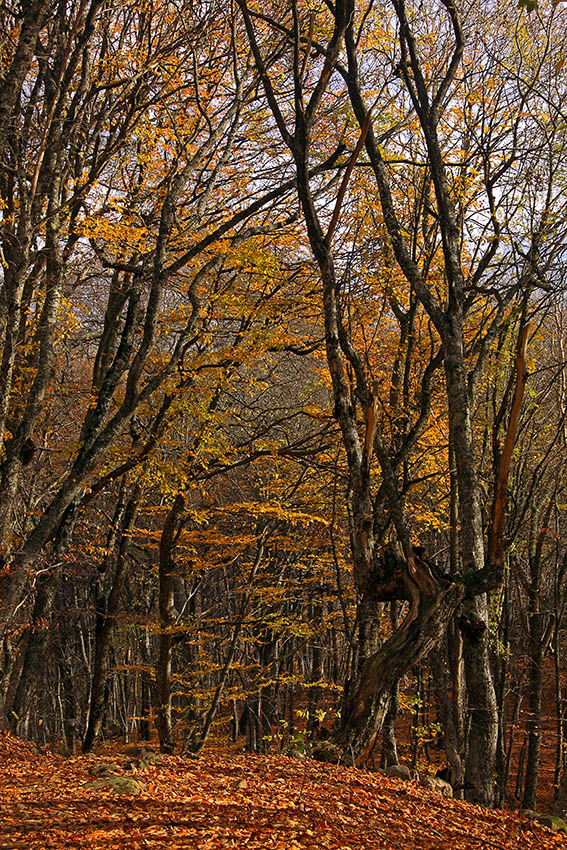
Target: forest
283	382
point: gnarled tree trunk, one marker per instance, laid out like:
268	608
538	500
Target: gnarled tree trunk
432	604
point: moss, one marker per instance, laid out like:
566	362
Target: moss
552	822
118	784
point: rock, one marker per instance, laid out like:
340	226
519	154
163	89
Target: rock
105	769
139	758
435	783
118	784
151	757
143	754
328	752
399	771
135	751
552	822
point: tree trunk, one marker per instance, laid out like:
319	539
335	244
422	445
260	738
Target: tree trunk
4	724
168	540
482	707
501	676
483	711
35	640
560	804
35	647
418	634
389	753
441	685
106	612
535	690
69	705
539	634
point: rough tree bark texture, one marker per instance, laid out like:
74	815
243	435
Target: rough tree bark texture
431	608
168	540
106	613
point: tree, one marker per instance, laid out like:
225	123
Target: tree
451	303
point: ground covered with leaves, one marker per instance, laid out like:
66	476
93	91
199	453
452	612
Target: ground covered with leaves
240	801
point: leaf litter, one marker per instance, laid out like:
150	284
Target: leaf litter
241	801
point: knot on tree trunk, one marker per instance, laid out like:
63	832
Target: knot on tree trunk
473	628
27	452
385	580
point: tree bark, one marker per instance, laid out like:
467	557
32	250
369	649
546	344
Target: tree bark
171	528
106	613
441	685
418	634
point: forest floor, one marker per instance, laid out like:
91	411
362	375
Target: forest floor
237	801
